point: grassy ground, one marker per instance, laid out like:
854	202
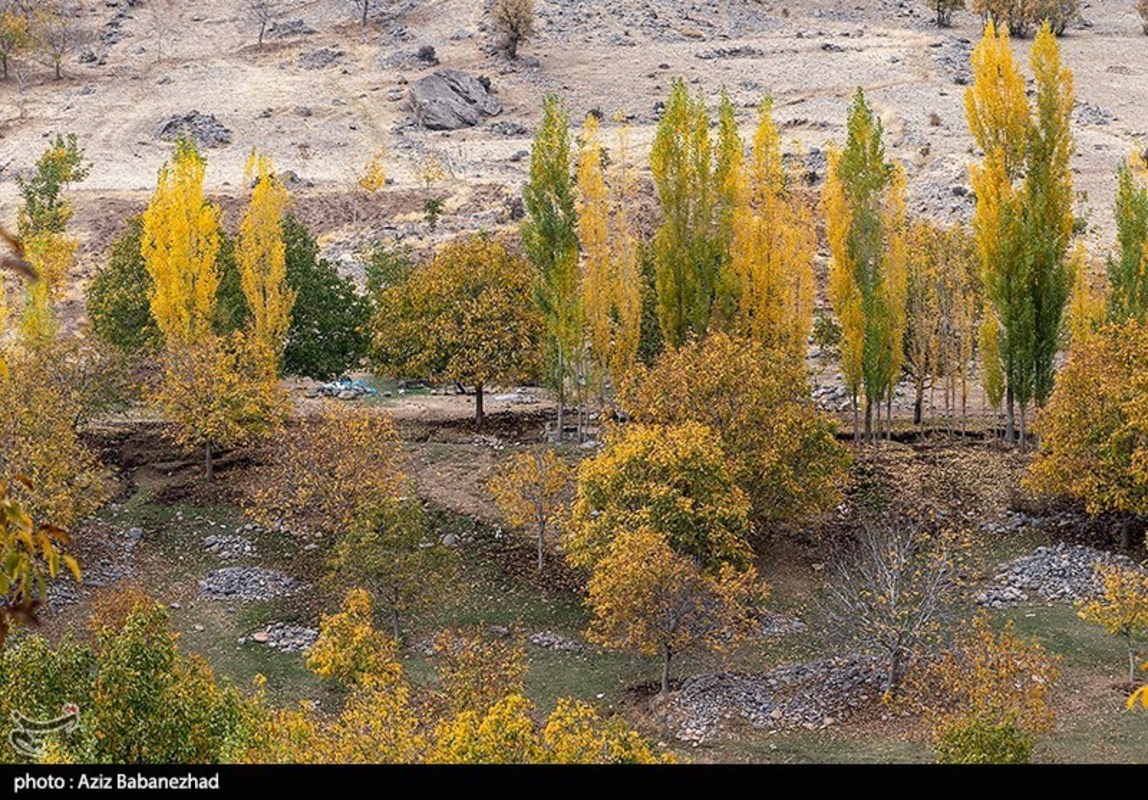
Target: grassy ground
497	585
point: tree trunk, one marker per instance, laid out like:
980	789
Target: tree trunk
1125	534
1023	438
58	73
541	540
1010	416
856	421
366	6
893	679
262	30
561	397
667	654
512	47
4	63
208	462
479	411
889	418
395	624
868	420
918	406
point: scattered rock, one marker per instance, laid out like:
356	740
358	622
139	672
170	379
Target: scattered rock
246	584
320	59
554	641
204	129
741	51
508	127
287	28
229	547
1091	114
448	100
286	638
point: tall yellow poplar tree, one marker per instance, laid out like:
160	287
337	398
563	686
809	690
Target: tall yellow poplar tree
1023	219
767	284
180	244
611	285
213	388
261	255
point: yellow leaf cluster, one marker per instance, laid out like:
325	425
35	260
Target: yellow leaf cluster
349	649
768	277
261	257
779	448
374	176
478	669
1088	300
672	479
180	244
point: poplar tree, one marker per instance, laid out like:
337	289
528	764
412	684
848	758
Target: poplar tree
1128	268
864	203
1023	219
549	236
687	253
214	388
611	284
261	255
767	286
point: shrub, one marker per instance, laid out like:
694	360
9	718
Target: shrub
975	740
1022	16
1142	7
944	10
514	21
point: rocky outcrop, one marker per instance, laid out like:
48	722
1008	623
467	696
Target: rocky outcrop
448	100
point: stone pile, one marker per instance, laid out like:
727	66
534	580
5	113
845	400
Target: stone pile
1061	573
228	547
810	696
284	637
246	584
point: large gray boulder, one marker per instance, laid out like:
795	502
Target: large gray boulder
448	100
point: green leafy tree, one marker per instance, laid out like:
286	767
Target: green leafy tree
392	551
330	322
1128	267
687	249
45	210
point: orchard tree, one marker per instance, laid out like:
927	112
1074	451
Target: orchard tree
323	471
392	551
1091	431
462	317
766	288
648	598
514	22
530	490
349	650
477	667
59	30
944	11
988	695
864	202
1023	218
218	395
674	480
893	592
550	238
779	448
1123	609
262	13
45	208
